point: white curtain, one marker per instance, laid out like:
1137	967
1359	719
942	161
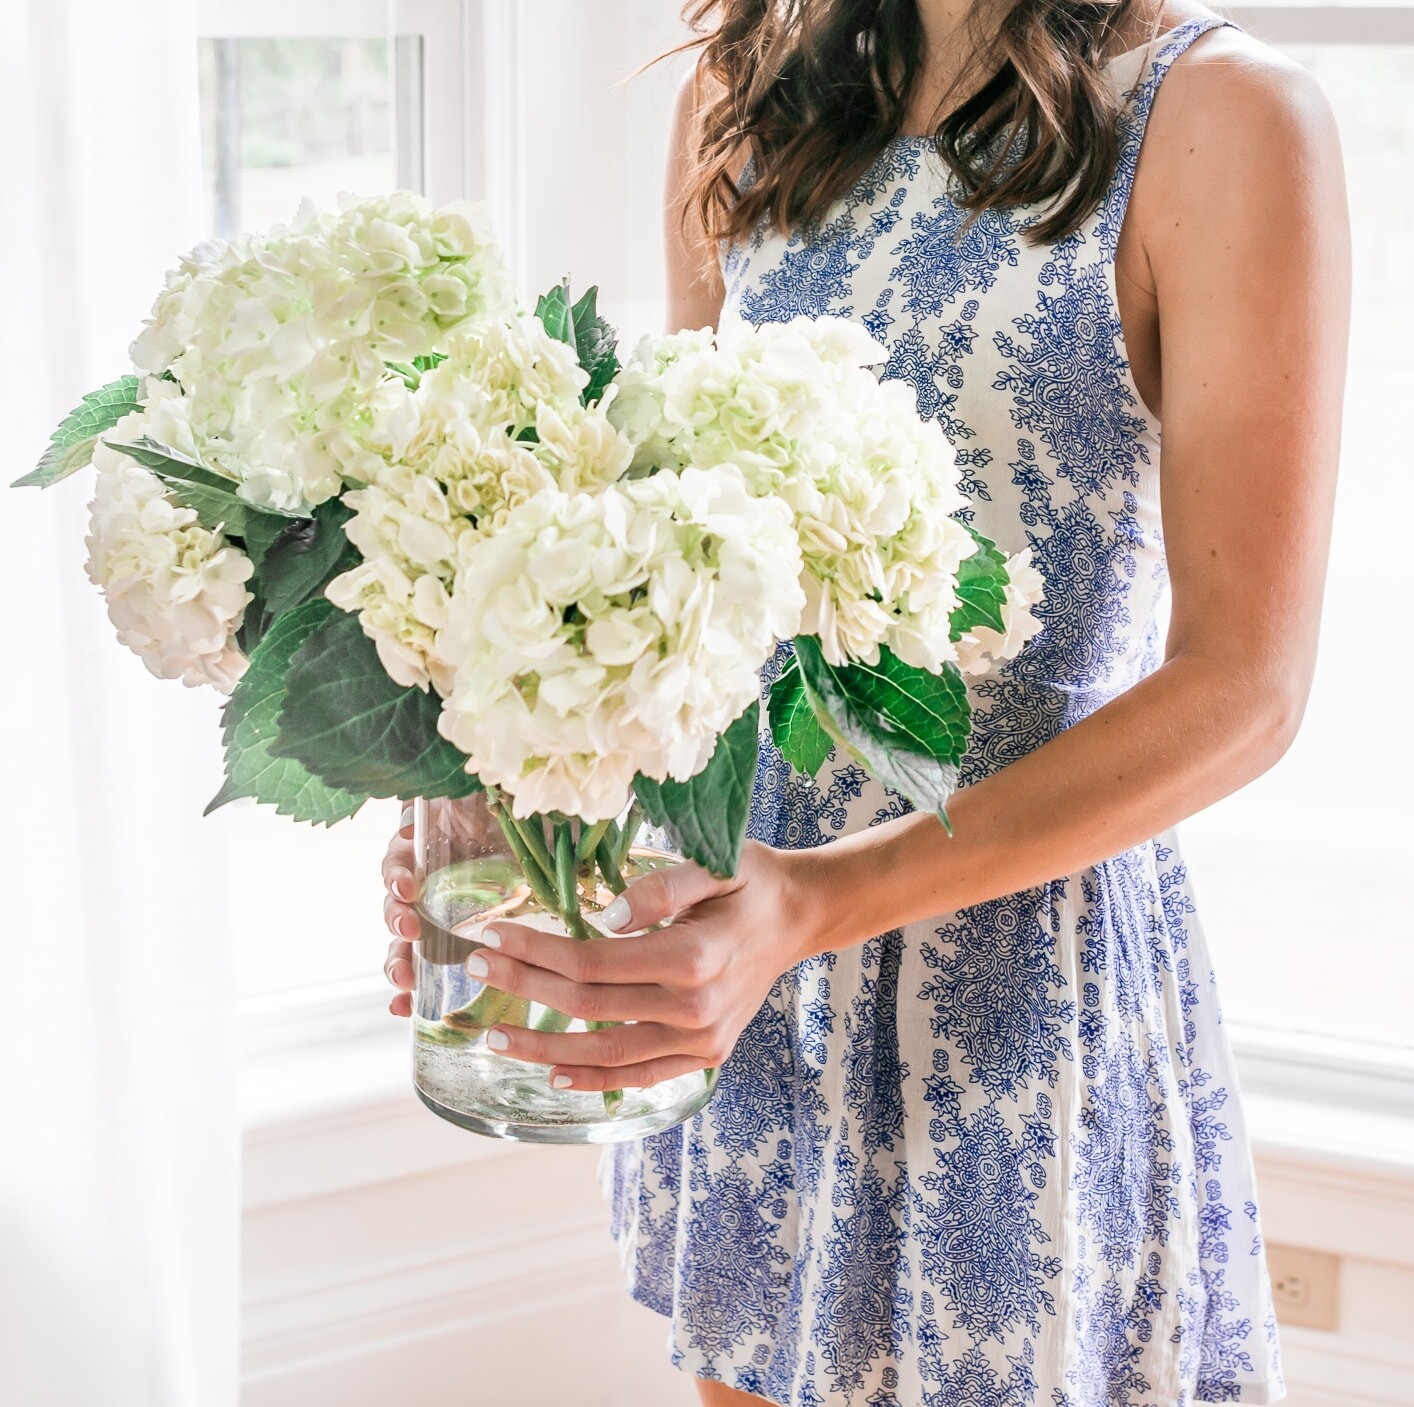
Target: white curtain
119	1141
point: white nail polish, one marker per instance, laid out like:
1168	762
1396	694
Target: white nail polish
476	966
560	1082
490	937
406	819
617	915
497	1040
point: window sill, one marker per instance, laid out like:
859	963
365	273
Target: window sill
326	1102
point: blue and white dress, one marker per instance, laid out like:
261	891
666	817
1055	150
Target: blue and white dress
995	1159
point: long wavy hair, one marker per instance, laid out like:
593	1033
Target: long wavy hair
814	89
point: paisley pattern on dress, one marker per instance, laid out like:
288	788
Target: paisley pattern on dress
995	1159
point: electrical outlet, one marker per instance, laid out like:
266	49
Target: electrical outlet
1305	1286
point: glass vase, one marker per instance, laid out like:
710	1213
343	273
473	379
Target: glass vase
476	864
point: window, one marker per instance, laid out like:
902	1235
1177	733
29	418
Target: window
1302	877
285	119
311	98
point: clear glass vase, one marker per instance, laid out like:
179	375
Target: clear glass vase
476	864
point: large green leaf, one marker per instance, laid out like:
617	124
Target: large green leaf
799	735
580	325
596	344
706	815
71	445
302	559
909	727
981	589
251	723
211	495
354	727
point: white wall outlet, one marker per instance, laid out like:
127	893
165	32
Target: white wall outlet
1305	1286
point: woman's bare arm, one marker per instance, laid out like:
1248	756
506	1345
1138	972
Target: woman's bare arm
694	276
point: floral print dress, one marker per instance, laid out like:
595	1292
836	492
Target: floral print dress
995	1159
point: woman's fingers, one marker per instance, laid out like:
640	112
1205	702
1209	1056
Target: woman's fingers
398	869
611	1048
674	956
399	915
609	1001
397	967
401	919
659	895
641	1076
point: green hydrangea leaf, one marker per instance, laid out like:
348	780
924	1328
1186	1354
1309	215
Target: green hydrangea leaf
251	722
579	325
981	589
212	496
71	445
304	556
799	735
596	344
553	310
706	815
353	727
907	726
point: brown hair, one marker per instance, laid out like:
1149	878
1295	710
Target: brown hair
813	89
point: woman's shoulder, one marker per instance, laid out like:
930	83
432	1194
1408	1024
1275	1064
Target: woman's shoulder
1231	113
1228	81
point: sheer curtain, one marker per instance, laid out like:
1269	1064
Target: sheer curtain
119	1142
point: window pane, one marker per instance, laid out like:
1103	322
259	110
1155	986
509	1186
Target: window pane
1303	877
288	118
283	119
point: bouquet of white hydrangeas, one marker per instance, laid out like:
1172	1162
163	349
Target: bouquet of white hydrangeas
433	543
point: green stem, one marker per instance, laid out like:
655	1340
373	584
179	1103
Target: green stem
486	1010
566	874
589	841
517	1012
552	1020
609	865
532	831
535	875
626	837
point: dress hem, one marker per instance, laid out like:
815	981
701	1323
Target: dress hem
1251	1392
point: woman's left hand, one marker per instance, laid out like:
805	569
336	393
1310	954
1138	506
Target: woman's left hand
690	988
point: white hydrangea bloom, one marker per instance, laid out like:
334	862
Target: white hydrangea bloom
982	648
445	463
597	635
279	342
175	591
796	408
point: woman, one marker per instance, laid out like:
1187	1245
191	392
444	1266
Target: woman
993	1156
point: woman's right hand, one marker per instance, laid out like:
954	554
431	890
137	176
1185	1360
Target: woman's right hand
400	915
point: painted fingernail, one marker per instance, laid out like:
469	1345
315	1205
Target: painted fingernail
406	925
400	882
406	820
476	966
498	1040
560	1082
617	914
490	937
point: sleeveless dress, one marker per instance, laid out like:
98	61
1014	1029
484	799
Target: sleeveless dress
994	1159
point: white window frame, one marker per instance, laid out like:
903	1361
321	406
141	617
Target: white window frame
313	1047
470	85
